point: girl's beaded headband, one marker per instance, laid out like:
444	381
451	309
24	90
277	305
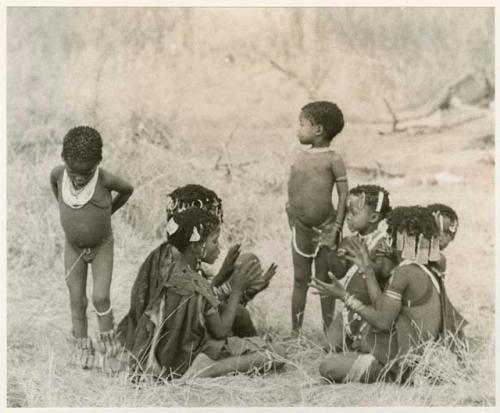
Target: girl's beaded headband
418	249
439	221
362	200
174	205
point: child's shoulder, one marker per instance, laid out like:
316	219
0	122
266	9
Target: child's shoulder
329	155
114	182
105	176
321	153
405	272
335	156
440	264
408	269
57	172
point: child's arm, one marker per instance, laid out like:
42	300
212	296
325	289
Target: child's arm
380	266
227	267
219	325
54	177
123	188
329	238
337	264
381	318
340	175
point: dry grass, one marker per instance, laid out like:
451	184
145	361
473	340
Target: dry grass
38	316
165	124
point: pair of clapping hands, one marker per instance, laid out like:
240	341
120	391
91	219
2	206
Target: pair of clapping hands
352	250
246	276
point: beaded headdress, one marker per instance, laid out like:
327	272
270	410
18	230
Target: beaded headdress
174	205
439	221
417	248
358	200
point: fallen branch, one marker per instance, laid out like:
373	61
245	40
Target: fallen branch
428	116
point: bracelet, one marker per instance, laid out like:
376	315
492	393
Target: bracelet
352	302
226	288
223	290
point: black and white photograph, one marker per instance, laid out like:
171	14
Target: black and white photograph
250	206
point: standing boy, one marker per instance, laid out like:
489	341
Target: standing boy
315	224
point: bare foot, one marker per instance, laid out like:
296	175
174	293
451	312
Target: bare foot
111	364
200	363
83	353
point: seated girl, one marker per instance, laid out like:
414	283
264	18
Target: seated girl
184	330
413	308
367	208
152	271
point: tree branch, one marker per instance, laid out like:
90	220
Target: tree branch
286	71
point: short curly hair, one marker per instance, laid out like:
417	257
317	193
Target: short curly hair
444	210
327	114
204	222
194	196
414	220
371	197
82	144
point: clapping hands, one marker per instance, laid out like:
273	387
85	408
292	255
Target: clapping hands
260	283
228	265
245	274
335	289
356	252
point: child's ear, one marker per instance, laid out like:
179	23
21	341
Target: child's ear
319	129
374	217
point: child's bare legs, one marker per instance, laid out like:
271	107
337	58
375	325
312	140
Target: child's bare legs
340	368
106	343
327	303
76	280
302	276
102	268
242	364
75	270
